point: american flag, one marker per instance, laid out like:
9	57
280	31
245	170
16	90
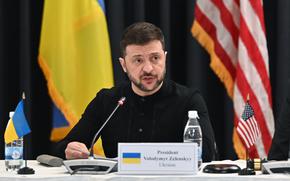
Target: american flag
248	128
233	32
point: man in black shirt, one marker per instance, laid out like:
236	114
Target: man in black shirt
280	144
155	109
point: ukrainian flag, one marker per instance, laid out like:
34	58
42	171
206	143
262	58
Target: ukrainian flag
75	57
131	158
17	126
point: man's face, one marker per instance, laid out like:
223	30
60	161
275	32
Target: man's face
145	67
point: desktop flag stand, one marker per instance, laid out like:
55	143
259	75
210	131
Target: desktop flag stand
248	131
18	127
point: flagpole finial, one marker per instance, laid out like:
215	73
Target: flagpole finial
248	97
23	95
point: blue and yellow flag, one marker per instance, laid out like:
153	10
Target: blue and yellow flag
75	56
131	158
17	126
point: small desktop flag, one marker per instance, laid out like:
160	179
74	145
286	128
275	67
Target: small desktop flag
132	158
17	126
248	129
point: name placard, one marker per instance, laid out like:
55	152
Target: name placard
157	158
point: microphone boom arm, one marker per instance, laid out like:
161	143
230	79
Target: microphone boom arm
120	103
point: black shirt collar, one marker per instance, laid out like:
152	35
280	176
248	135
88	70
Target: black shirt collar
161	93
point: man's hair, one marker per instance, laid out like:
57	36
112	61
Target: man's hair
141	33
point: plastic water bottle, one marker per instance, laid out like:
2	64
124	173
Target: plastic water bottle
14	153
192	133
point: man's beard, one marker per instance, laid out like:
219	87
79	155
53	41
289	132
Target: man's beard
141	86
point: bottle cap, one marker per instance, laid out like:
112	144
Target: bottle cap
192	114
11	113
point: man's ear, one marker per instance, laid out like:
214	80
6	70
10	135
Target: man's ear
123	64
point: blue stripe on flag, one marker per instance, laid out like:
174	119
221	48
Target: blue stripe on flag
131	155
19	120
58	119
102	4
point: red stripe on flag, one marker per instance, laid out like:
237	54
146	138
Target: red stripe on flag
258	8
211	30
250	130
253	129
255	56
247	132
237	2
244	135
228	21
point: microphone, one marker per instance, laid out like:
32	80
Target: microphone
93	165
49	160
120	103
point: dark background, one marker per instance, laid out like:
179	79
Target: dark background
188	63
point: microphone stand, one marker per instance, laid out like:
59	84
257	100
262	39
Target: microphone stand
92	165
120	103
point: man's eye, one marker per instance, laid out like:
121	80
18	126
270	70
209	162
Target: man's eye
155	59
137	61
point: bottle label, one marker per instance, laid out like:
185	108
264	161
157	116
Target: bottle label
199	152
13	153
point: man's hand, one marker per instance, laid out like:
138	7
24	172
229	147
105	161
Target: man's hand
76	150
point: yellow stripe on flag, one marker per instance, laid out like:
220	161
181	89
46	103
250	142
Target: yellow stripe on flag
10	132
75	56
216	64
132	160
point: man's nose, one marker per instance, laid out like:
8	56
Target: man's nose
147	67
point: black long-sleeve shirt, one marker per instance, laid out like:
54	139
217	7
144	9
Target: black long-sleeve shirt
160	117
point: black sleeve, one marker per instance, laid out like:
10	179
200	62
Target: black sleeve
208	139
280	144
85	129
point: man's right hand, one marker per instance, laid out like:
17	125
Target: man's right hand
76	150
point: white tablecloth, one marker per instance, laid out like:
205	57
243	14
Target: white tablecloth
44	173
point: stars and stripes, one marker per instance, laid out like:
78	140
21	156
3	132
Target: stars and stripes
233	32
248	128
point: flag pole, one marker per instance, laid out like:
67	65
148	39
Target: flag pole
24	155
25	170
247	170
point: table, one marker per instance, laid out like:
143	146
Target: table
44	173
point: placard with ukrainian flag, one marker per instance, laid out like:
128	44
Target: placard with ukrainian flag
157	158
